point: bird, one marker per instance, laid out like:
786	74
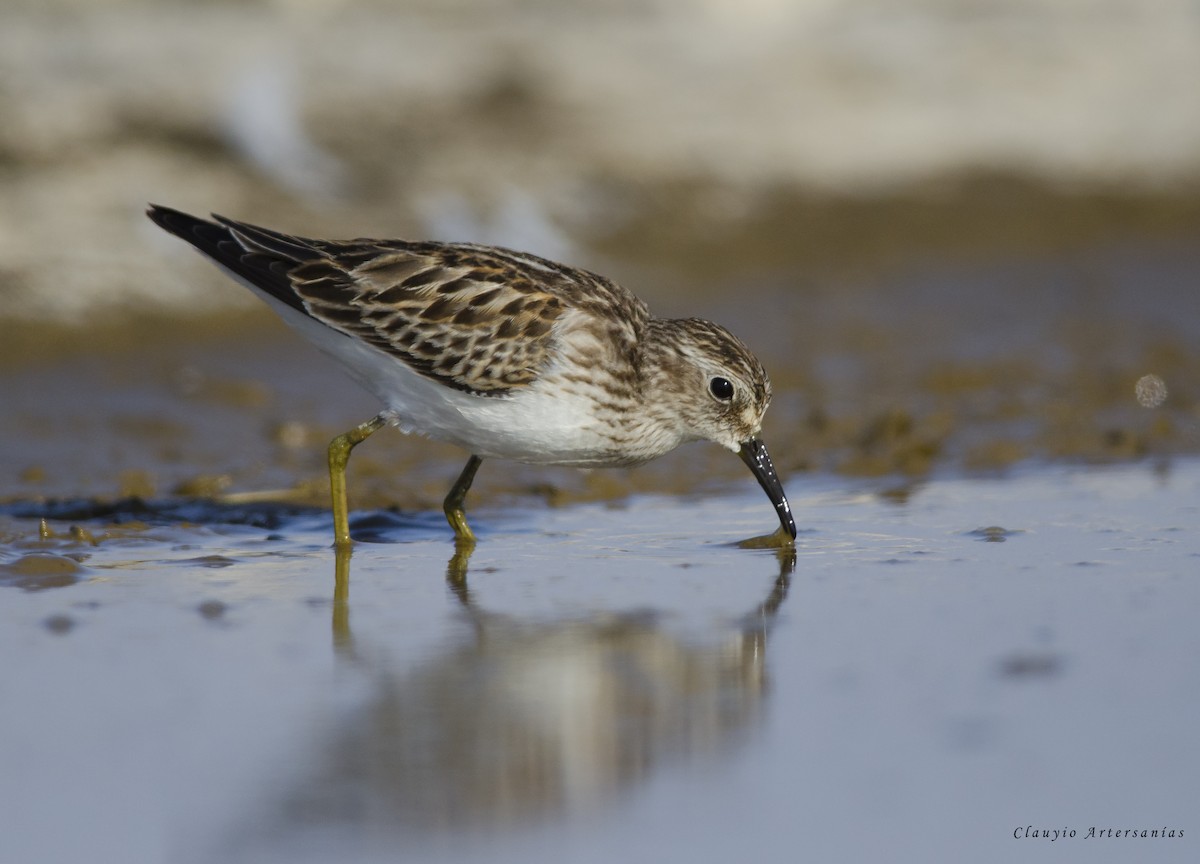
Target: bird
503	353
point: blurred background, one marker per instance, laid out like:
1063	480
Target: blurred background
961	234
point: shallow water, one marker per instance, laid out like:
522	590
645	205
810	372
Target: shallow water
938	666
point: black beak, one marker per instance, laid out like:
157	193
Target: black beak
754	454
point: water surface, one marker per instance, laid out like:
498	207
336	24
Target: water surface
935	667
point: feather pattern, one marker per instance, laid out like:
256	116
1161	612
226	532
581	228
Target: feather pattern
480	319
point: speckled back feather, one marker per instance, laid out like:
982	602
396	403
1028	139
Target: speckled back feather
476	318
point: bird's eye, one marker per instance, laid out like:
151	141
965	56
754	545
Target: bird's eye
721	388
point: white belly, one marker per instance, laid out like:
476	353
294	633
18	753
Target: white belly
537	424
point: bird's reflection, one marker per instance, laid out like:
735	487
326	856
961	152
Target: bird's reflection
524	719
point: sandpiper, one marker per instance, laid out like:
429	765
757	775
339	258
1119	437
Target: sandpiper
503	353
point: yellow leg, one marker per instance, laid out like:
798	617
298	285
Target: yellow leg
339	455
453	505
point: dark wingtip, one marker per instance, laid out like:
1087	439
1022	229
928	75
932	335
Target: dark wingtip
220	243
158	214
175	222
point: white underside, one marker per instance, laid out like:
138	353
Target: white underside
539	424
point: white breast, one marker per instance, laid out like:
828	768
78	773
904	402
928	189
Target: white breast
538	424
550	422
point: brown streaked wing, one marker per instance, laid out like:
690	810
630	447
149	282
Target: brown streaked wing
475	318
